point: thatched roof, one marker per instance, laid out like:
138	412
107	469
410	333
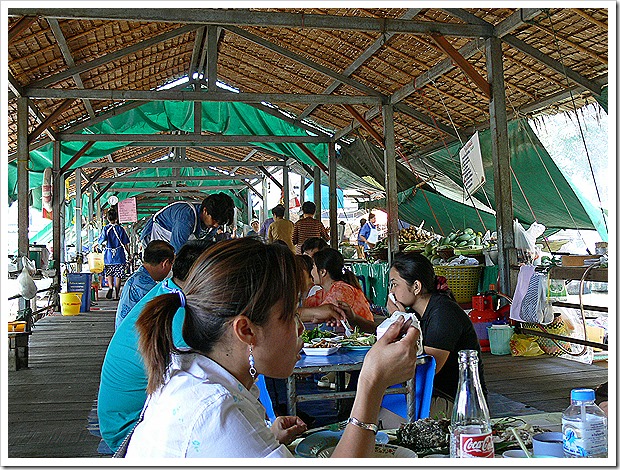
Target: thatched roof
554	59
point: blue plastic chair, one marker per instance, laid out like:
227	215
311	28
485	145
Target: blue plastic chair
264	397
424	378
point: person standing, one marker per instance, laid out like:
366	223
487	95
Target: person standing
157	263
281	228
360	242
369	233
253	232
116	242
264	229
181	221
308	227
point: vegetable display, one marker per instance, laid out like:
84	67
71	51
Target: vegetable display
308	335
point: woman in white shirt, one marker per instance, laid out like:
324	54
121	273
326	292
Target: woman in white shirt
240	302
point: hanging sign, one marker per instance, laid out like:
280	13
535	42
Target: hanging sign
471	165
127	211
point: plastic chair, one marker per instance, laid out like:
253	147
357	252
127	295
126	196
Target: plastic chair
264	397
424	378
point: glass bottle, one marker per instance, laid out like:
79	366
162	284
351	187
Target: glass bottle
470	427
584	426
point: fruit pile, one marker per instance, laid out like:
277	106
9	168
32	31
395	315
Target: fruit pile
461	242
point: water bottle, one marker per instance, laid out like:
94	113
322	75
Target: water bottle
470	427
584	426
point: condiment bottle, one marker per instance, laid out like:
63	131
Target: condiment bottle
470	427
584	426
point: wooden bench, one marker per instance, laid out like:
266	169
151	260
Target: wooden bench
18	349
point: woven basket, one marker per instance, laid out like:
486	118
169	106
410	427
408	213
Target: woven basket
462	280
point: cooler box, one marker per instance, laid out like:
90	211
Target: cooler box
80	282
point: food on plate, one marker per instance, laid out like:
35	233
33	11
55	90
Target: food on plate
424	434
308	335
359	339
323	343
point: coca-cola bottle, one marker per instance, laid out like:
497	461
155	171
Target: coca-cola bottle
470	427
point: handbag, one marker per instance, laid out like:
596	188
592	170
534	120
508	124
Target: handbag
121	452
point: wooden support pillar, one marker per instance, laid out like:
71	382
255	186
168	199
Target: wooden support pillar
23	189
501	165
391	190
91	218
302	189
265	209
250	206
78	219
57	205
62	214
333	201
286	191
317	192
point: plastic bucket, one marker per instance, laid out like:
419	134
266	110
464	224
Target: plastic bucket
70	303
95	262
499	339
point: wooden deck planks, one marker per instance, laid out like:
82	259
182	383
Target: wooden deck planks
49	402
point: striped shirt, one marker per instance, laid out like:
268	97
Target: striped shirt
307	227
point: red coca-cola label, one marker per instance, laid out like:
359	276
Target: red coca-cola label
477	445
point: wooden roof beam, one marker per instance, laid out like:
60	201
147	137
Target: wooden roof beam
179	189
313	157
246	17
302	60
462	63
22	25
570	43
218	96
67	166
591	19
366	125
191	139
361	59
50	119
271	177
181	164
157	179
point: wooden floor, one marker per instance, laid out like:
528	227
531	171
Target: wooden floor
49	402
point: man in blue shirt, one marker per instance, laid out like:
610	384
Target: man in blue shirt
181	220
122	391
156	265
366	230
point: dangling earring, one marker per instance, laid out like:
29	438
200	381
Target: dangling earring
251	361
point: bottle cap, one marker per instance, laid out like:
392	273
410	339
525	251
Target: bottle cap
582	394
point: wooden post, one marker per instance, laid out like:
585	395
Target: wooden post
391	190
317	192
501	165
265	209
286	190
302	189
78	219
23	190
91	217
57	181
250	206
333	202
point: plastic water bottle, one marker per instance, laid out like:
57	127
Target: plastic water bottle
584	426
470	426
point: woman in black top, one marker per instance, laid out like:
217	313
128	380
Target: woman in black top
446	328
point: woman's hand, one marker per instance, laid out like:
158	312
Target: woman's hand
287	428
392	359
394	305
322	314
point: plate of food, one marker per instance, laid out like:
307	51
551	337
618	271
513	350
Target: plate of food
382	451
359	341
323	347
320	440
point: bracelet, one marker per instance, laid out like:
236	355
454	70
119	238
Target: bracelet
368	426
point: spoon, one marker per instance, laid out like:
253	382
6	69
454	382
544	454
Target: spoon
347	328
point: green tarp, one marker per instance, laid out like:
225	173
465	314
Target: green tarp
155	117
540	190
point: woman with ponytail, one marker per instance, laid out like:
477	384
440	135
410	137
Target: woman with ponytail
338	285
446	328
240	301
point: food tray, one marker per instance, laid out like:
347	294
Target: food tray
462	280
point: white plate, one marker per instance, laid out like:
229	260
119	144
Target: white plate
320	351
316	442
382	451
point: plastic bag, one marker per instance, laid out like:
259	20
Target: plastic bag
27	287
525	241
524	345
